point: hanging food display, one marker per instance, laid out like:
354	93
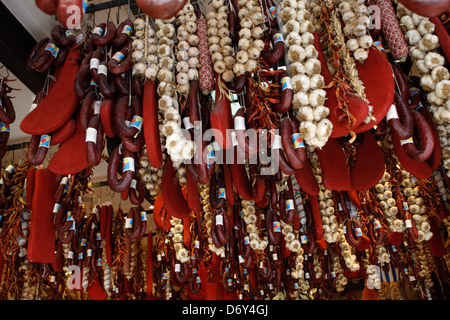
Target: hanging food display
286	148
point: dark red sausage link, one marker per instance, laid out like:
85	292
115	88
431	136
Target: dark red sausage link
62	37
38	149
137	192
402	82
94	149
133	228
94	63
7	112
249	149
120	115
217	192
422	146
403	127
43	60
127	170
82	83
104	85
86	111
286	213
272	56
121	83
104	35
293	144
273	227
121	62
38	48
287	94
123	33
375	232
222	230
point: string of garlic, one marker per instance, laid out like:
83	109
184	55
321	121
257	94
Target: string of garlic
373	276
329	219
252	30
221	50
341	279
186	50
429	65
425	270
417	206
176	233
207	217
176	144
388	203
356	18
144	49
305	71
251	220
151	177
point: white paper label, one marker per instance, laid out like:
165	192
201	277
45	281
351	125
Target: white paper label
408	223
95	63
98	31
91	135
56	207
133	184
128	164
409	140
129	223
64	180
276	142
290	204
118	56
239	123
102	69
187	123
392	113
178	267
286	83
97	105
219	220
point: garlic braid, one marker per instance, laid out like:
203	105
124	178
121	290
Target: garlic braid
305	72
186	51
176	144
252	30
429	65
221	50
